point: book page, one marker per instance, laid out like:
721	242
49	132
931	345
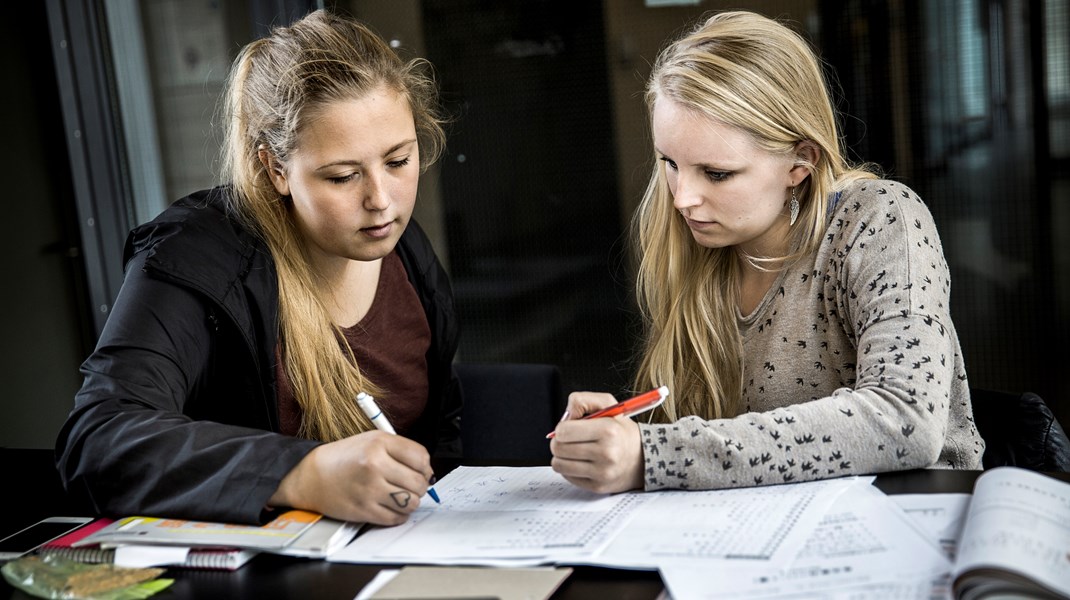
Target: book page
1020	521
864	547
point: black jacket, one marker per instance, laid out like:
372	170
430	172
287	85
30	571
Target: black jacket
177	414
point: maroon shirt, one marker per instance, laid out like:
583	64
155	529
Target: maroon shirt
390	344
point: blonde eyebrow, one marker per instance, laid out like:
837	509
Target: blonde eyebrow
357	163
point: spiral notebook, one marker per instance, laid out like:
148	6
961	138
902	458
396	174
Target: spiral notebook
225	559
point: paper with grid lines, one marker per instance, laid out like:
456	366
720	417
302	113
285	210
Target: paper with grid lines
531	515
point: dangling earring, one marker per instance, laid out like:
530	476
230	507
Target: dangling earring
793	207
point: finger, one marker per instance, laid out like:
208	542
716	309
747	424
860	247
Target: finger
583	403
380	514
598	486
591	485
403	500
583	431
402	476
392	457
580	482
411	456
409	481
572	467
589	477
567	445
399	500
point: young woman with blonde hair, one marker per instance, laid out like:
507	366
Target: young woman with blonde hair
795	305
252	314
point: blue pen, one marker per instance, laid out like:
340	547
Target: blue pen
370	408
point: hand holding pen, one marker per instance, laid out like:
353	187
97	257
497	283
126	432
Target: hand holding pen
375	414
372	477
630	407
598	454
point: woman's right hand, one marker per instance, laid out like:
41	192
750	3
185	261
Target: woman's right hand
373	477
601	455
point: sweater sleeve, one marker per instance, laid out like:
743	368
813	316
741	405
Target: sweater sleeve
130	445
886	293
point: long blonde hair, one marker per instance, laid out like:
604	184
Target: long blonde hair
276	84
755	74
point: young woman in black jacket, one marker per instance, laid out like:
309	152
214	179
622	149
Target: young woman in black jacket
224	383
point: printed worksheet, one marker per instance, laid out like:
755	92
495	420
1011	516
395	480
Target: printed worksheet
865	546
514	488
499	516
761	524
940	517
531	515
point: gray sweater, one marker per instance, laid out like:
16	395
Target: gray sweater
851	363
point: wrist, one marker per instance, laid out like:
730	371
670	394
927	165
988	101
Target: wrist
290	489
637	473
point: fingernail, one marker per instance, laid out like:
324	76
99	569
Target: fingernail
564	416
433	479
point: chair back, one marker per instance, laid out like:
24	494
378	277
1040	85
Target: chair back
508	409
1019	430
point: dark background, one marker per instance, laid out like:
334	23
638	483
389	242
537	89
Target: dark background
966	101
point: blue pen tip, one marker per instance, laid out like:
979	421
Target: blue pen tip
434	495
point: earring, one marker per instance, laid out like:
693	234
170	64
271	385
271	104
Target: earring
793	207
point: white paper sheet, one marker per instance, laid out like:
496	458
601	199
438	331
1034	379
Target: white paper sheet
482	489
500	516
864	547
761	525
939	517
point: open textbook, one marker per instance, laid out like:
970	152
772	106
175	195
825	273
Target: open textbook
1009	539
1016	537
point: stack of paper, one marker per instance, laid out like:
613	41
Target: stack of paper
505	516
840	538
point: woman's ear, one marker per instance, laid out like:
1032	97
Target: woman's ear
275	171
807	154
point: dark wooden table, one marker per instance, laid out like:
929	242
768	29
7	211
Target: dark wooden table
33	492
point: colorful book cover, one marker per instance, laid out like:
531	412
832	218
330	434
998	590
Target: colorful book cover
227	559
275	535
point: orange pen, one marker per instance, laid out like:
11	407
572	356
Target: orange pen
629	407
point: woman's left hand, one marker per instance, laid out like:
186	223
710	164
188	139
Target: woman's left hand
603	455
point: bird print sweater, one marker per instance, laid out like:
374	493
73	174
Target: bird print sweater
851	363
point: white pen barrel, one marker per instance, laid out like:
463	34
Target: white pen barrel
370	408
